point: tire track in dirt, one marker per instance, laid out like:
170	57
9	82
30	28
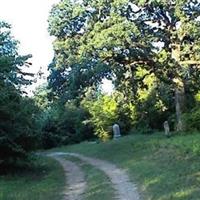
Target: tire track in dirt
125	190
76	183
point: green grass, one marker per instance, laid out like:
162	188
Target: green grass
98	184
164	169
43	181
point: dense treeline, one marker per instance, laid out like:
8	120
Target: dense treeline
60	123
150	50
18	123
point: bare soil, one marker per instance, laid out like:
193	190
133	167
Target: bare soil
125	190
76	184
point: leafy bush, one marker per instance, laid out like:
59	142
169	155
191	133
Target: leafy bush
65	124
155	108
192	119
18	133
103	111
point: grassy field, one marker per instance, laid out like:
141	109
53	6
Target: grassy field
44	181
164	169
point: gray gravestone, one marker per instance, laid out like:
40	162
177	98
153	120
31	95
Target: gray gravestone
116	131
166	128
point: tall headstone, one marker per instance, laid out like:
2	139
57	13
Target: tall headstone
116	131
166	129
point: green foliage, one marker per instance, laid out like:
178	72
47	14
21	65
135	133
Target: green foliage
17	113
107	110
126	112
103	112
18	130
136	44
63	124
192	119
155	108
192	116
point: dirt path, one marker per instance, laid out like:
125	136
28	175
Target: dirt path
125	190
76	184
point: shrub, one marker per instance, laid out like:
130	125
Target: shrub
65	124
18	134
192	119
103	111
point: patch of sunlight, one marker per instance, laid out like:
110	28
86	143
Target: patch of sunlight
197	97
149	182
196	175
184	193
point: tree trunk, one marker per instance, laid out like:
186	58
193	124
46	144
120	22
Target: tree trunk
180	105
179	90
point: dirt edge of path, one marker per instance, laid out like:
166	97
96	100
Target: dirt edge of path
75	180
125	190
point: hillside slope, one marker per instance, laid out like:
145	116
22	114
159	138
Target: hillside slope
163	168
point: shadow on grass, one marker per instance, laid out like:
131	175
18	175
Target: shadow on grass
165	172
164	169
36	168
42	180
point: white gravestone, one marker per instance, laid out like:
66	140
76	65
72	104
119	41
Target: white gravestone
166	128
116	131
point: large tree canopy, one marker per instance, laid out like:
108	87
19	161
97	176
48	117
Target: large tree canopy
134	40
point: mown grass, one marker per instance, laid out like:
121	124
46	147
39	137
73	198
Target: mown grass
164	169
43	181
98	184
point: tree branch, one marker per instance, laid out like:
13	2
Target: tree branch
190	62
